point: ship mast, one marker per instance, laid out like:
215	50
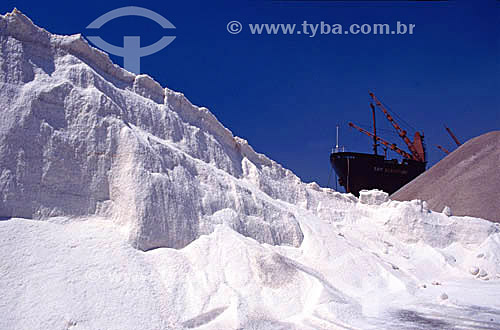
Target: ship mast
337	145
416	147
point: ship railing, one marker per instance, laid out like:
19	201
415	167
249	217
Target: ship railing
338	149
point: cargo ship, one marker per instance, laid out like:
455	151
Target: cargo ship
357	171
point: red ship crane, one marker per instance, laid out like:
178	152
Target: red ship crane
416	146
389	145
453	136
375	144
443	150
454	139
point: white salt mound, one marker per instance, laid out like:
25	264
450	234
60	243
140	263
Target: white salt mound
373	197
80	136
124	206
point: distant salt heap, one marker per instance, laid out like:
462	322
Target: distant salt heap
467	181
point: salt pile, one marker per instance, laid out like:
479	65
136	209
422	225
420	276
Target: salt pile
466	182
127	207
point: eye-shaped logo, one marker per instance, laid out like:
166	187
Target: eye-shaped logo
131	50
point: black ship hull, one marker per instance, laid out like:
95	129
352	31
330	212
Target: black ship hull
358	171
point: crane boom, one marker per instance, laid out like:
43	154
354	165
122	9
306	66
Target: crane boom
391	146
417	154
375	145
443	150
453	136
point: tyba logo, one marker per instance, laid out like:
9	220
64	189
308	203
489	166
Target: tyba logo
131	50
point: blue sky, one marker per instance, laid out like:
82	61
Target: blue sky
286	93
